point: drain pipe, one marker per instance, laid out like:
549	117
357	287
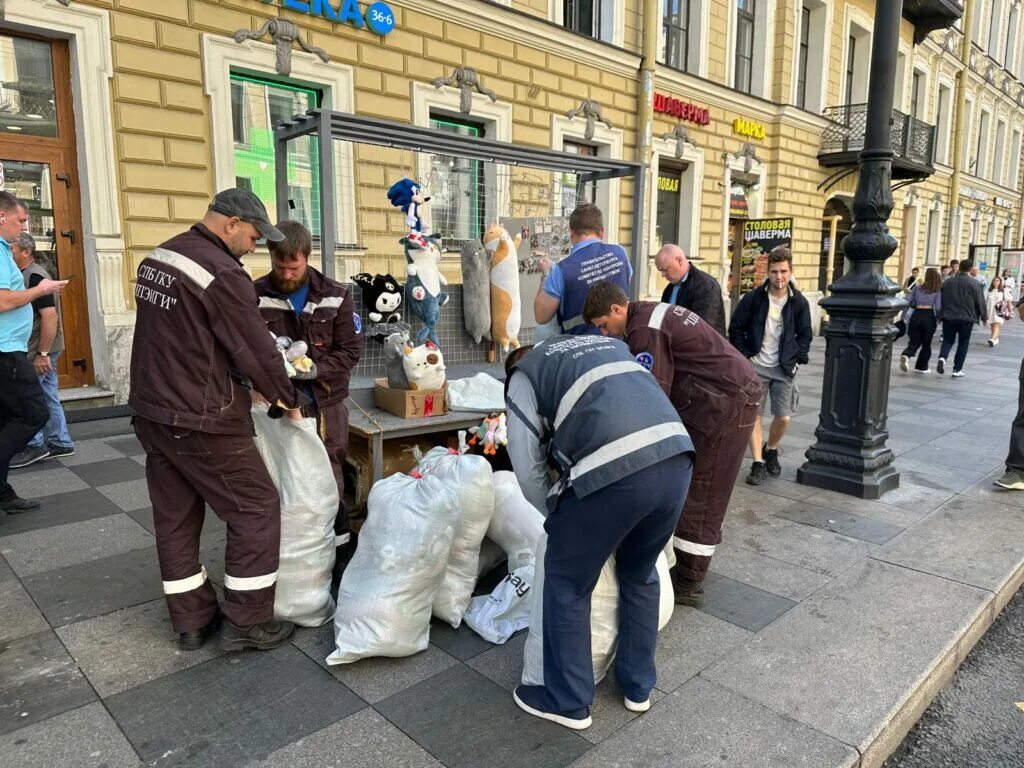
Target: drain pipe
645	122
958	131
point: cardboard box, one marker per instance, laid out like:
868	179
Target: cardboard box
398	457
410	403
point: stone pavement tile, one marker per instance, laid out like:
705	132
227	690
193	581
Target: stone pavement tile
91	589
42	483
141	459
129	647
775	576
129	445
462	643
883	510
854	526
919	433
691	642
110	472
503	663
986	490
703	724
61	509
608	711
38	680
741	604
372	679
899	447
850	656
130	495
967	457
86	737
757	501
18	614
89	451
969	540
63	545
996	440
465	720
362	740
984	426
232	709
778	487
6	574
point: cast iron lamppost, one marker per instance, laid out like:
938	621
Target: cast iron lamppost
850	454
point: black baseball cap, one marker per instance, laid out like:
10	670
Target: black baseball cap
246	206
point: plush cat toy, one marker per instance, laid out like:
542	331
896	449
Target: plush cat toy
423	284
506	307
382	296
424	366
406	194
394	354
476	289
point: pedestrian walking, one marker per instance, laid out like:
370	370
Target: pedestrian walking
963	307
921	316
1013	478
1010	284
978	277
999	305
690	287
912	279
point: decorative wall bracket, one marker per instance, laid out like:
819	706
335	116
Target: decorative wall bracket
283	33
682	138
591	110
467	81
748	153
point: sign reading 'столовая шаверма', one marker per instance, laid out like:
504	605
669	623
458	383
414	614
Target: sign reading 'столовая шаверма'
379	16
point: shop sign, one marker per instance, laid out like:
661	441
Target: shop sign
379	17
973	194
684	110
738	206
748	128
760	236
668	183
1002	202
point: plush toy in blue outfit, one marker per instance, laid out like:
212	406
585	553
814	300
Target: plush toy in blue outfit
406	194
423	282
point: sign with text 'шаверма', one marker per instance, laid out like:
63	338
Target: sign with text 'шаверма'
379	17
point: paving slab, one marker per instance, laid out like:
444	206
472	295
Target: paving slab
6	574
61	509
129	445
232	709
986	490
608	712
703	724
88	451
110	471
691	642
854	526
876	510
145	630
775	576
19	612
462	643
741	604
86	737
845	661
41	483
465	720
129	495
74	543
38	680
964	457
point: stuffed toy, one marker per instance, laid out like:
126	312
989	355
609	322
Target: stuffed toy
506	307
382	296
406	194
423	284
424	366
491	434
476	289
297	363
394	354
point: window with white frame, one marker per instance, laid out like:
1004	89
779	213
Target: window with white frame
899	92
1012	43
746	18
1014	165
803	55
680	34
943	124
998	152
991	239
858	61
965	159
1007	241
593	18
460	202
569	135
994	29
572	193
972	236
918	91
981	147
976	33
810	65
934	229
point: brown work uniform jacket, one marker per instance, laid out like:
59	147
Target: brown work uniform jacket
327	324
200	343
706	378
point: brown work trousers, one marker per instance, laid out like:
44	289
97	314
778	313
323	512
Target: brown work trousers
186	470
332	426
720	455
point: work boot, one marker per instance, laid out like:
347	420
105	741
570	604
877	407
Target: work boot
771	460
687	591
262	637
1011	481
196	639
13	504
758	473
29	455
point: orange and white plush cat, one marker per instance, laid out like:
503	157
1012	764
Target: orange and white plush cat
506	306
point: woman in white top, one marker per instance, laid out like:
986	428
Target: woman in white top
1000	307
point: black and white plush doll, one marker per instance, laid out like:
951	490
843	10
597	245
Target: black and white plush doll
382	296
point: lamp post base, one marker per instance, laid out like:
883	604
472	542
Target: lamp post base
866	484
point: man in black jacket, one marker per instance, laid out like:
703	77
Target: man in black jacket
772	327
963	305
688	287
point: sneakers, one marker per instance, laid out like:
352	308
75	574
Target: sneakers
196	639
940	367
636	706
904	363
29	455
686	592
758	473
1011	481
958	374
60	451
14	504
771	460
993	342
262	637
528	698
926	370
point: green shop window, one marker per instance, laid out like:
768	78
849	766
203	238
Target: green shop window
458	189
257	105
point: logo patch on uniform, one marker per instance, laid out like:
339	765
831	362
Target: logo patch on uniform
646	360
358	321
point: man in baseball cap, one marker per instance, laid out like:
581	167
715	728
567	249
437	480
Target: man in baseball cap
243	204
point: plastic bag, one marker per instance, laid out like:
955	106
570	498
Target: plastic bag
386	593
470	478
499	615
298	464
516	524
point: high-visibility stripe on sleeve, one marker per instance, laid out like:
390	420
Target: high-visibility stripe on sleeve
343	538
180	586
249	583
658	316
575	392
692	548
189	268
634	441
269	302
328	302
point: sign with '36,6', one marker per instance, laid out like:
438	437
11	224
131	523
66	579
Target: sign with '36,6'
379	17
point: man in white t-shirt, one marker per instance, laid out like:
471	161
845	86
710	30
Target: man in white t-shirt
771	326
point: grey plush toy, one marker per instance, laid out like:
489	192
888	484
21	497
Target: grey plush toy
476	287
394	353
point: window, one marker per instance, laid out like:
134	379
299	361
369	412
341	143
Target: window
746	13
976	23
900	91
1014	179
574	193
1010	44
858	59
593	18
257	105
932	255
669	197
975	228
965	161
679	28
981	148
998	159
1006	237
801	69
994	27
917	95
459	192
942	114
811	56
991	240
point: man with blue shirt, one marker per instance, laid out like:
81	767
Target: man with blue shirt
566	284
689	287
23	408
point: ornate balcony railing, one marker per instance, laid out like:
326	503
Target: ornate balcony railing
913	141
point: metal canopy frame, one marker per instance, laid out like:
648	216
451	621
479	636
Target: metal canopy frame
342	126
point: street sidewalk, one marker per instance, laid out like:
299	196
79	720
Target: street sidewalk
830	623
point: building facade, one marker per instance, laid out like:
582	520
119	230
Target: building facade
120	118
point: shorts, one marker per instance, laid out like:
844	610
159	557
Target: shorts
783	391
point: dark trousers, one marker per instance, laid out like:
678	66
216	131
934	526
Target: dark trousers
1015	458
633	520
958	331
186	470
23	410
332	426
719	458
921	330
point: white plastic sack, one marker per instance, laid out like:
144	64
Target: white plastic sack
516	524
298	464
387	591
490	555
604	617
470	478
481	393
499	615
